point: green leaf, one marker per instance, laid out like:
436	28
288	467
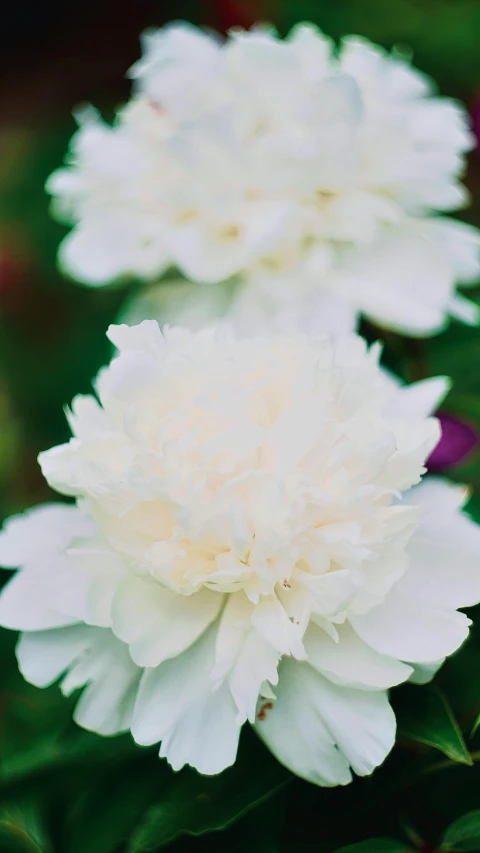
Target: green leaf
38	734
475	727
455	677
376	845
33	730
424	715
463	834
108	810
22	830
195	804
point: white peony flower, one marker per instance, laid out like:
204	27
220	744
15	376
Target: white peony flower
250	541
285	163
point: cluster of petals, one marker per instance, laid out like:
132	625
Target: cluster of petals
250	541
309	175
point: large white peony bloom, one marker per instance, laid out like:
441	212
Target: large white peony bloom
309	175
249	542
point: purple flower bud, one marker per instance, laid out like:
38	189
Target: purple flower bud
459	440
476	120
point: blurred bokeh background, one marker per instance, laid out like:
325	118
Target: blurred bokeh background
54	55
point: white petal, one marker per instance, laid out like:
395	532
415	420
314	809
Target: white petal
362	723
76	586
444	551
350	661
145	335
27	602
86	417
43	656
179	302
86	581
273	624
41	532
106	705
93	658
177	706
411	630
332	591
255	666
424	672
243	655
319	730
440	574
293	729
157	623
420	399
464	310
269	301
438	497
102	249
460	242
204	256
401	282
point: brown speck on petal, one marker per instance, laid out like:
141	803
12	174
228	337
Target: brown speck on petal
262	713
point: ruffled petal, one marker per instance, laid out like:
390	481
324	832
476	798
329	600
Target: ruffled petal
103	249
177	706
27	602
272	623
67	575
209	251
243	656
43	656
401	282
420	399
441	575
444	552
34	536
92	658
409	629
157	623
424	672
352	662
459	242
76	586
86	580
319	730
332	592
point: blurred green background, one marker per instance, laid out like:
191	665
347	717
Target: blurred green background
52	342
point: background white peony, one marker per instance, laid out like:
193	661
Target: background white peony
249	542
310	176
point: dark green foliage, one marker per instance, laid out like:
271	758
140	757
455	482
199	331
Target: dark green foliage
22	829
196	804
463	834
424	715
376	845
